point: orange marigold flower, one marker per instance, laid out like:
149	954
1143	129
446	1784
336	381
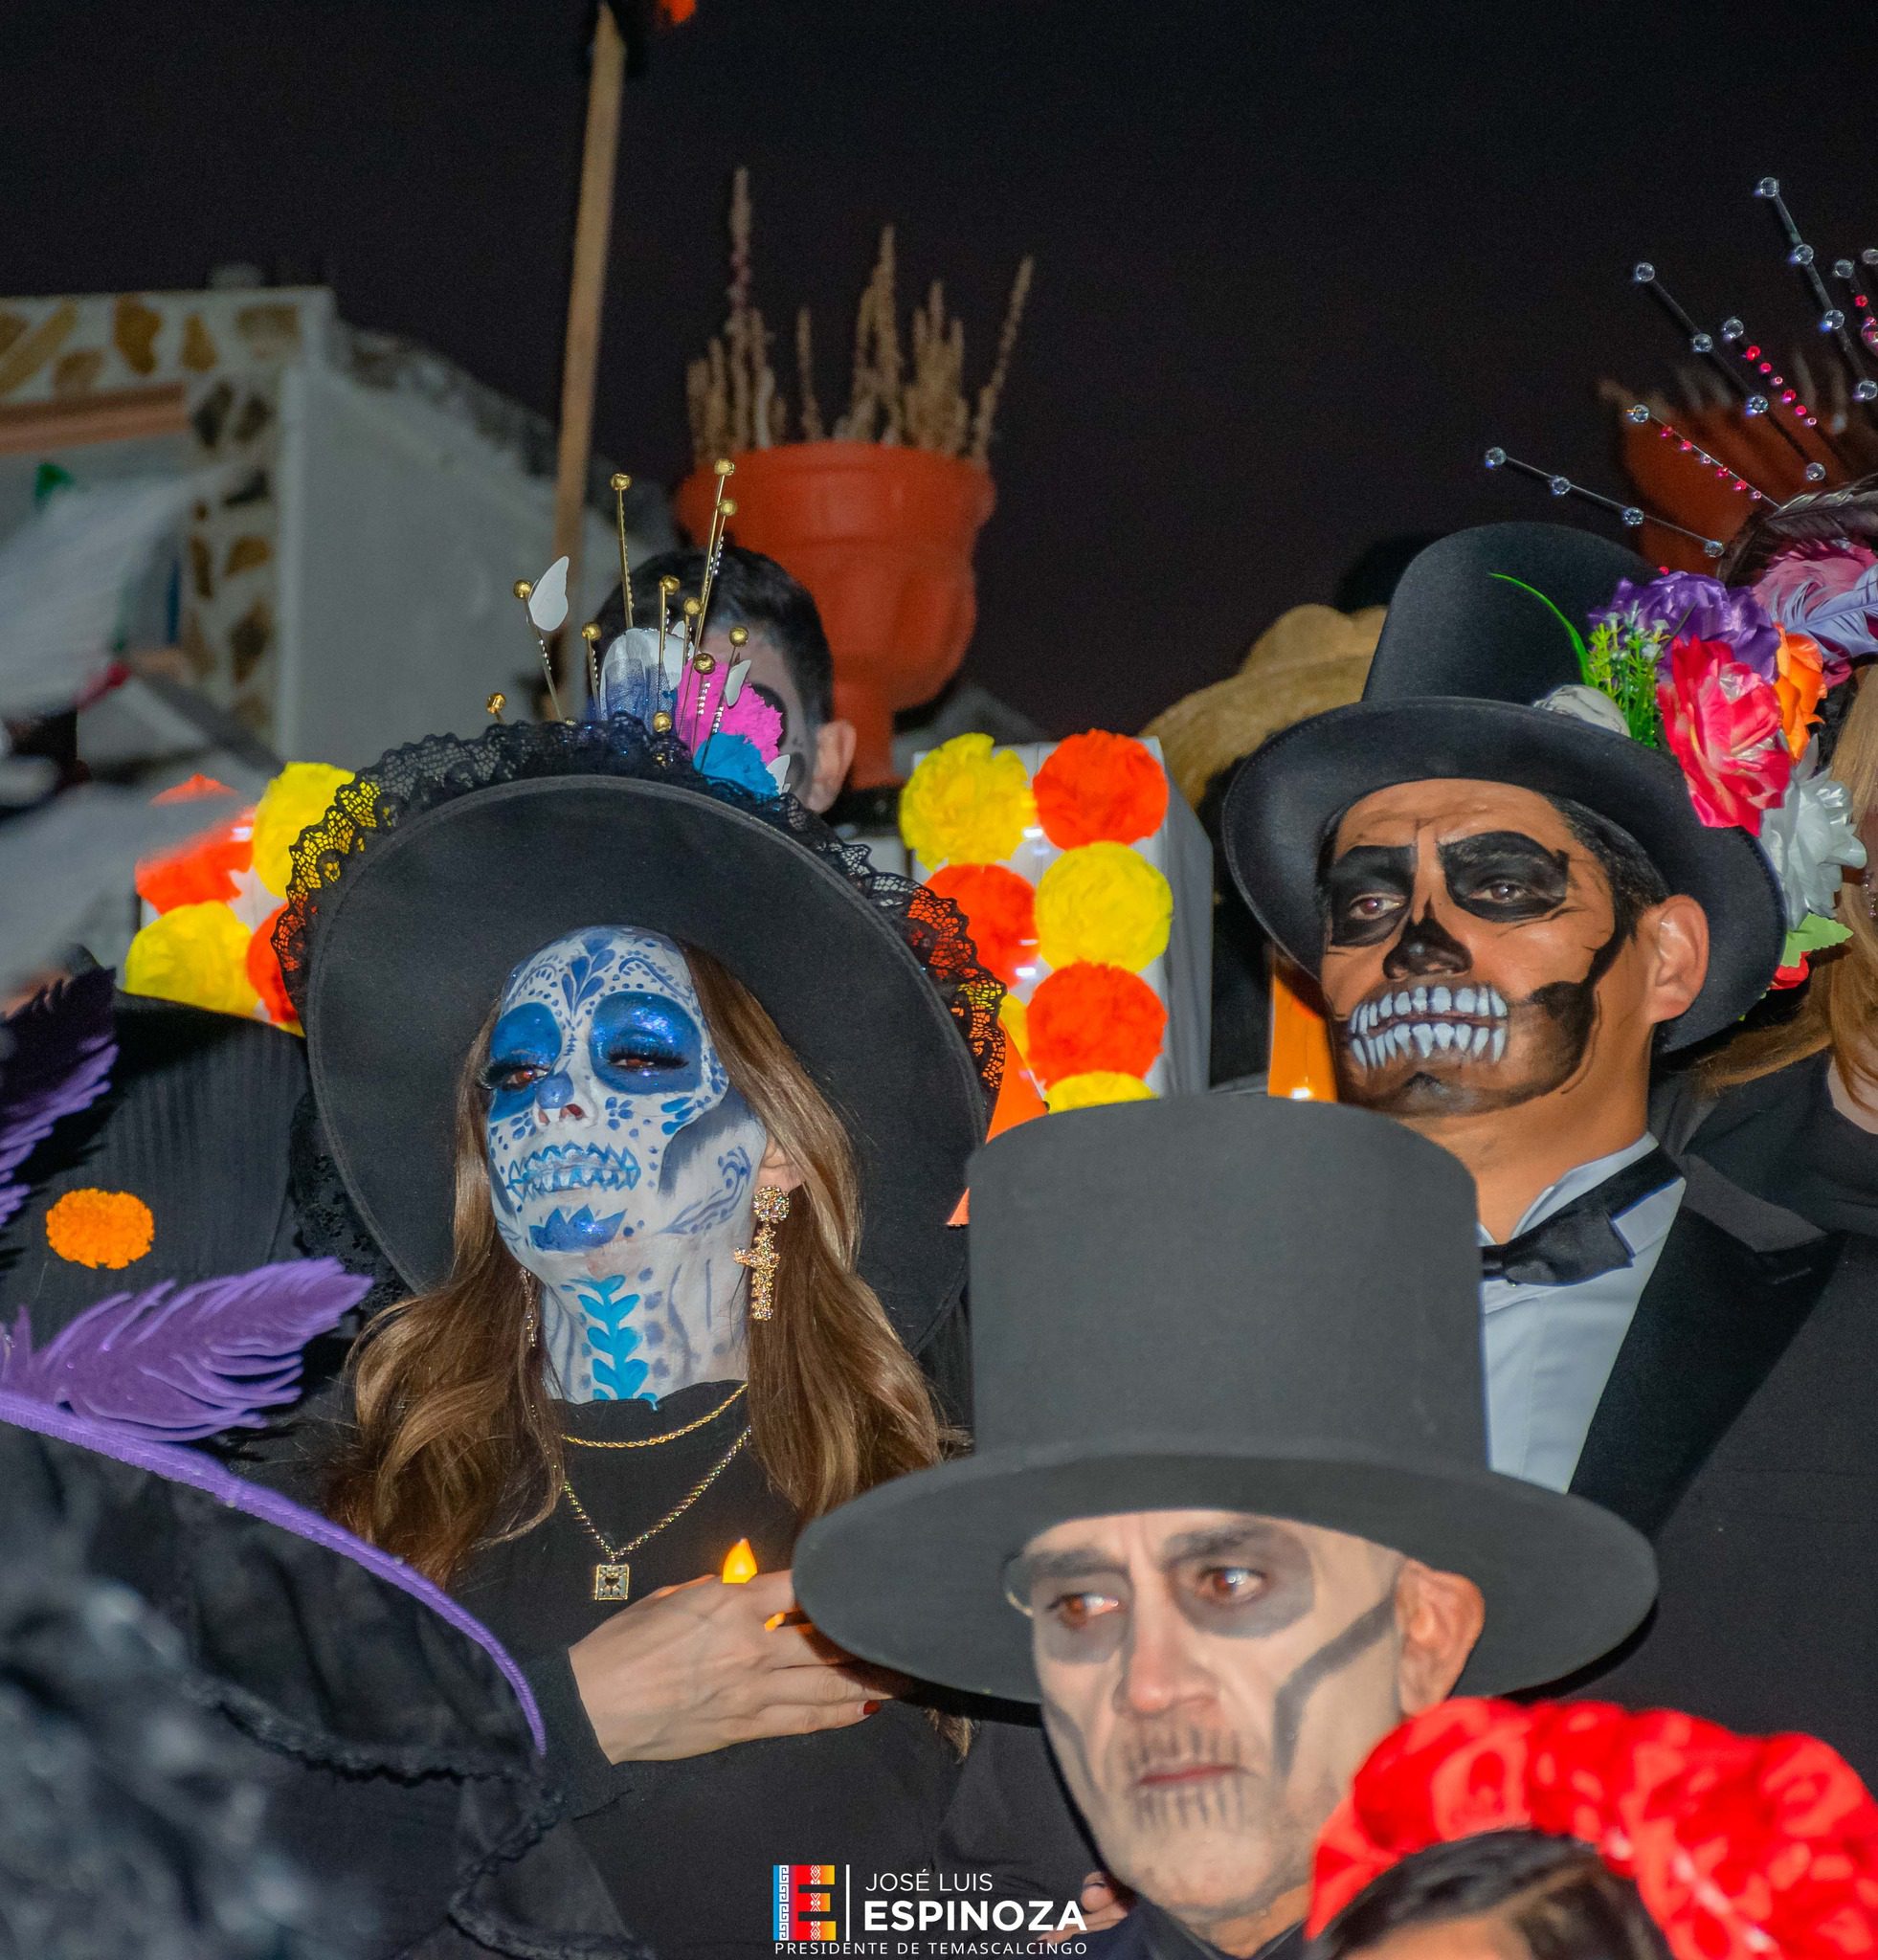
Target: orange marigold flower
1100	788
1000	909
1093	1019
100	1228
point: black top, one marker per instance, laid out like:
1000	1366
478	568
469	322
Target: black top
1781	1139
691	1843
1148	1934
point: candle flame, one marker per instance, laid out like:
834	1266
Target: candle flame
739	1563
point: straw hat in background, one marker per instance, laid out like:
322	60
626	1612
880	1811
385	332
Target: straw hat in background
1310	658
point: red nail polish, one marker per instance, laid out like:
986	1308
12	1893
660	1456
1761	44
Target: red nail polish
869	1707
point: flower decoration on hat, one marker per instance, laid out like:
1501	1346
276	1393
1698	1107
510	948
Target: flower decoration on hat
1055	853
665	677
1729	681
1740	1847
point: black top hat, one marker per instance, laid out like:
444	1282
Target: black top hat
446	863
1465	654
1220	1302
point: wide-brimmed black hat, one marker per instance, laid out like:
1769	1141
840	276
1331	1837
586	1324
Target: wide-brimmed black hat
446	863
393	1750
1466	654
1220	1302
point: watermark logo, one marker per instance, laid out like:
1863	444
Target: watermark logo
805	1899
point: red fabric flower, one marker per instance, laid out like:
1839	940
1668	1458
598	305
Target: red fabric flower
1100	788
1085	1018
1740	1847
1000	907
1722	723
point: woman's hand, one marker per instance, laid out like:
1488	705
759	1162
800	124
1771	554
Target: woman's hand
693	1668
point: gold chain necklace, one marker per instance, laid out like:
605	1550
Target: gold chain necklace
613	1576
671	1435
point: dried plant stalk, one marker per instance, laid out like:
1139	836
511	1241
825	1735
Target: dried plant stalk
733	399
805	379
993	388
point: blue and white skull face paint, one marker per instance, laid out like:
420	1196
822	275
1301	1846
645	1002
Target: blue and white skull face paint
621	1165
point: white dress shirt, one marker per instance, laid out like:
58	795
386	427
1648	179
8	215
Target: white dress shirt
1550	1349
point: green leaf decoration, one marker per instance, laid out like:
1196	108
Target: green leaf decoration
1813	934
1578	639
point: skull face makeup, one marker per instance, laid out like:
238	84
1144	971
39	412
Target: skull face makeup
1211	1682
621	1165
1472	950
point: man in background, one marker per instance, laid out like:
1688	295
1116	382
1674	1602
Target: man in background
789	665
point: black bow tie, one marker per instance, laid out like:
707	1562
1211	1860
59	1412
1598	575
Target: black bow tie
1578	1241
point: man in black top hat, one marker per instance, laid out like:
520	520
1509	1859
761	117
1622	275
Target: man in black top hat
1512	905
1236	1526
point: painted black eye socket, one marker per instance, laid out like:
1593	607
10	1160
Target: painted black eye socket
1230	1585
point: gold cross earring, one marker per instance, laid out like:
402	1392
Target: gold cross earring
763	1259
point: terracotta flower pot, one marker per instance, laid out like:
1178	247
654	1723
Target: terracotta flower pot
882	537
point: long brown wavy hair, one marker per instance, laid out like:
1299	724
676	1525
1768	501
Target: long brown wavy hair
1840	1008
454	1445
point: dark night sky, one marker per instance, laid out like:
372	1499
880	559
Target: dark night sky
1297	266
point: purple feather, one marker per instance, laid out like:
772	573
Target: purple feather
174	1365
55	1058
1829	595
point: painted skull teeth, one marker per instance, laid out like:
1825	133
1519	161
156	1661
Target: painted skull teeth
571	1167
1468	1022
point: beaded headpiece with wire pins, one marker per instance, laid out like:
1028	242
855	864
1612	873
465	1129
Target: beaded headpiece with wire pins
665	677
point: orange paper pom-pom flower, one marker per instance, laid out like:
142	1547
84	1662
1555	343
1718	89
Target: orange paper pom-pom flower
1098	789
199	874
1000	909
1090	1019
100	1228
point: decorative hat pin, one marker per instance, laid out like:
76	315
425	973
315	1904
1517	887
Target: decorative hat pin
1631	515
1831	318
666	678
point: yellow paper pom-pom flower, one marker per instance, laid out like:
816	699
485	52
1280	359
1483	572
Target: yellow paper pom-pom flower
1104	902
300	794
196	955
1015	1017
100	1228
1099	1086
965	805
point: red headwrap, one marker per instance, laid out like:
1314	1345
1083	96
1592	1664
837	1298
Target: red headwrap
1741	1849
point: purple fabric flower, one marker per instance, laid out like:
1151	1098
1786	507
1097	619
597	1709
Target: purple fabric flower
1688	605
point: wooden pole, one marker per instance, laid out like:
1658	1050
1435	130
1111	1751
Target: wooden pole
592	228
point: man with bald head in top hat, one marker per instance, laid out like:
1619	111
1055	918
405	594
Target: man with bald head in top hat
1229	1516
1516	902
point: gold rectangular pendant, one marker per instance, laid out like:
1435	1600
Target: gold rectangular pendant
610	1583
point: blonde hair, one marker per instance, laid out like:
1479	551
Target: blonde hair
1840	1008
454	1445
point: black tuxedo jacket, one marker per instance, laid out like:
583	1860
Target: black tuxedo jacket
1739	1431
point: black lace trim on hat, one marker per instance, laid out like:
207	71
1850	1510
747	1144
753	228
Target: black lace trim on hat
423	775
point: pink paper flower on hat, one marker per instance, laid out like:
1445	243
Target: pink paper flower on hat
1722	723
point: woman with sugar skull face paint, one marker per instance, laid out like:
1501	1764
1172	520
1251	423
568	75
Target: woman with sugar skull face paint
582	1023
